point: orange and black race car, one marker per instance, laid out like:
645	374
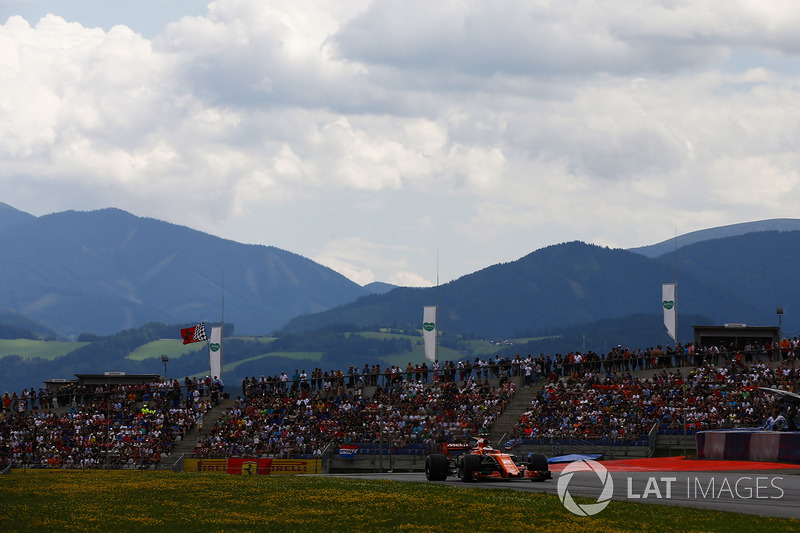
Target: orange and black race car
477	460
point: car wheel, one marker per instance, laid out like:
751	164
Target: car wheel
470	465
538	463
436	467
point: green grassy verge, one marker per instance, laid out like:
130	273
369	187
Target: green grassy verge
314	356
162	501
531	339
482	349
262	340
28	349
381	335
174	348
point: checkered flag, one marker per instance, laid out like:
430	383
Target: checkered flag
194	334
200	332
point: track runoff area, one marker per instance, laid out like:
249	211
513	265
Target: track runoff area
759	488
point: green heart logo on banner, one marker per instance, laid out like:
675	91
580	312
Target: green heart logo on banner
429	326
668	304
214	346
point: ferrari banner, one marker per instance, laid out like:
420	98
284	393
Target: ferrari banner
249	467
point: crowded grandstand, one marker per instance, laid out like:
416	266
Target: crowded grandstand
615	398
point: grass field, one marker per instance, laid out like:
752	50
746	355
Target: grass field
314	356
174	348
477	348
28	349
381	335
163	501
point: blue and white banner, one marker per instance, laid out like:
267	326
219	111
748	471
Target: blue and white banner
348	451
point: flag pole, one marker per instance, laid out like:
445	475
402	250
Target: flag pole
683	406
208	348
676	287
222	333
436	345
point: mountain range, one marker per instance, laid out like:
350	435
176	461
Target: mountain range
108	270
739	279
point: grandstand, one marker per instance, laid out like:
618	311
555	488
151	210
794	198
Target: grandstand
623	404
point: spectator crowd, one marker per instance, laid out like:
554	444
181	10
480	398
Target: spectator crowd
620	408
305	421
133	426
582	395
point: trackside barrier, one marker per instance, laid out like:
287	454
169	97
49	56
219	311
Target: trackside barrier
749	445
609	447
389	462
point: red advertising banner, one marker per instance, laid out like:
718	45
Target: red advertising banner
253	466
296	466
212	465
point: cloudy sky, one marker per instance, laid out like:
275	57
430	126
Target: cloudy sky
374	136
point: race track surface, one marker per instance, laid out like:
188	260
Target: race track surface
765	489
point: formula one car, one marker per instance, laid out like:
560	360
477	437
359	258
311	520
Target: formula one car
478	460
